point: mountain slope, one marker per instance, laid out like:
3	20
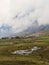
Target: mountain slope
36	31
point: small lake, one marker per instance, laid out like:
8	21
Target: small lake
26	52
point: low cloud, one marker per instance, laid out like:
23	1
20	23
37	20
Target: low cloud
18	15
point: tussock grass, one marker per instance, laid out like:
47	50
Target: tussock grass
39	57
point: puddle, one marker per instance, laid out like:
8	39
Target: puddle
26	52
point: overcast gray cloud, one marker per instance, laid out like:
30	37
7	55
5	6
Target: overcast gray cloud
20	14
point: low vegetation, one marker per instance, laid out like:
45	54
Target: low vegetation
38	57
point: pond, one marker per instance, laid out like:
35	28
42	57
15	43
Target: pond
26	52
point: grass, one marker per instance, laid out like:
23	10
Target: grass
39	57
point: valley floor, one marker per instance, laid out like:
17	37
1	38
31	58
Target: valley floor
37	57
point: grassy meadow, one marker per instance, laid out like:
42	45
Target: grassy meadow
39	57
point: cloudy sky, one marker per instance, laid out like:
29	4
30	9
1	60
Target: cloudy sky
18	15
